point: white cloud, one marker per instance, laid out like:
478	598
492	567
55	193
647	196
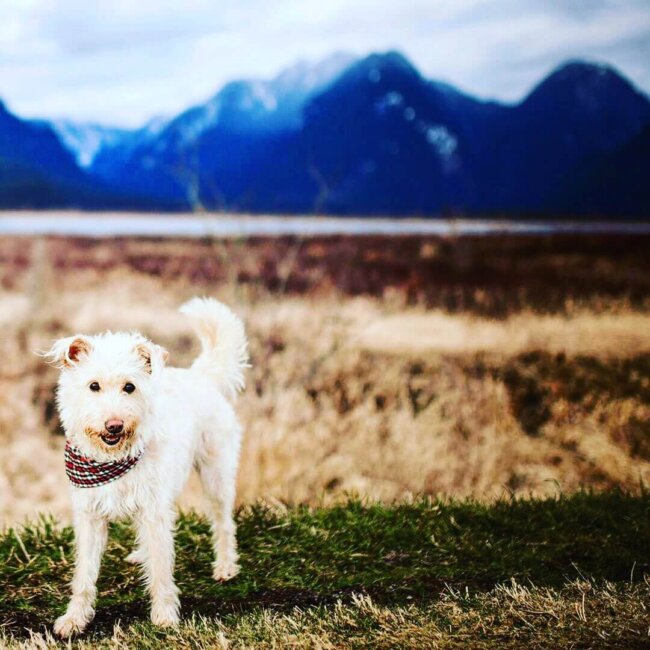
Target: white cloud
122	61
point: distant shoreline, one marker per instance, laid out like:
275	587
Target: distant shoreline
114	224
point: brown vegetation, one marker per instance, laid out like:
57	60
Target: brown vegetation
381	366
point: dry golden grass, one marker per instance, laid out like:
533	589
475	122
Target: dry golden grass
605	336
580	614
347	394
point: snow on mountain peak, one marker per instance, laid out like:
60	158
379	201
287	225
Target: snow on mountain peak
444	142
307	76
257	103
86	140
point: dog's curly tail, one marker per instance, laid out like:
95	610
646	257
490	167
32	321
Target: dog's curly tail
224	353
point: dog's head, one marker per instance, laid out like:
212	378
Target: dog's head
105	391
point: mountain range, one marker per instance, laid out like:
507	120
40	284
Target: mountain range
367	136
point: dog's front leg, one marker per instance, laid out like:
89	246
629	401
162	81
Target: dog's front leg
156	531
91	532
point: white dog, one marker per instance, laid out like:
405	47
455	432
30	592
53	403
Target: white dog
134	429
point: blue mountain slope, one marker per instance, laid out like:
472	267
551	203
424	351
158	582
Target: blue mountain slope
38	171
35	169
581	110
348	136
615	183
383	140
179	162
33	145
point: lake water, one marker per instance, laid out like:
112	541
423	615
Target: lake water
235	226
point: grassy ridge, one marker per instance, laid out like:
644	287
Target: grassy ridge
357	564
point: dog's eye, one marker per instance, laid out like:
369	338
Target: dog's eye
95	387
128	388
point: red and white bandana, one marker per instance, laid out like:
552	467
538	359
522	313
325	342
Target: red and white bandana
85	472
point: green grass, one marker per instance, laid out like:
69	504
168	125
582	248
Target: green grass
449	574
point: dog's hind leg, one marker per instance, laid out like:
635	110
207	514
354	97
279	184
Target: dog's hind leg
139	554
218	472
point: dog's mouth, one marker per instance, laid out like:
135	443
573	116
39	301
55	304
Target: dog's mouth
111	439
105	440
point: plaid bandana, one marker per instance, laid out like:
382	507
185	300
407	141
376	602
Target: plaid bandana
85	472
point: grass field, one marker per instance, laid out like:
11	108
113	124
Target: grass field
511	371
566	572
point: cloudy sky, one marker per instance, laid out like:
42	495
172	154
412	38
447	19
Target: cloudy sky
123	61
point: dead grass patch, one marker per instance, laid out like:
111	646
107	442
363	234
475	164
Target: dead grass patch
353	394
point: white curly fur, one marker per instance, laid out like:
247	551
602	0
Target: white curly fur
177	418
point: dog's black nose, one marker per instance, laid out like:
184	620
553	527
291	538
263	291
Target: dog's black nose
114	426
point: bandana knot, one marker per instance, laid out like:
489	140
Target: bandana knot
85	472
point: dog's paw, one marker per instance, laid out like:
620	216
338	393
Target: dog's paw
165	614
137	556
225	570
71	623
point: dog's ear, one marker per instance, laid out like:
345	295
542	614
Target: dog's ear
68	352
153	356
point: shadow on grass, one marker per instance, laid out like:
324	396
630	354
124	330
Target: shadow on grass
396	554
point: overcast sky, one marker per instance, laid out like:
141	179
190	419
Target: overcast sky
123	61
